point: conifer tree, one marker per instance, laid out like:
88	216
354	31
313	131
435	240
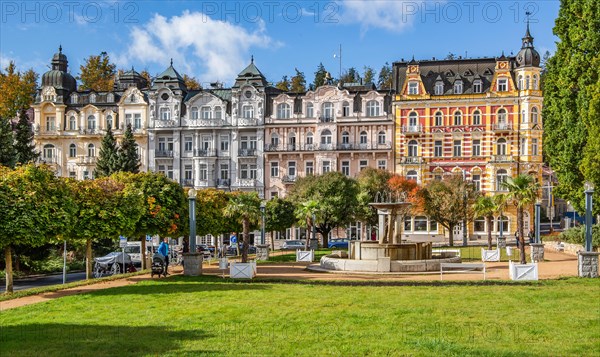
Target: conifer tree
7	149
128	159
298	83
320	75
283	84
24	146
108	159
385	77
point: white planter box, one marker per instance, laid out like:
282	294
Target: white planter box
490	255
305	255
523	271
242	270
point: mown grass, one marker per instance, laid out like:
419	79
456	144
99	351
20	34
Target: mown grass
210	316
282	256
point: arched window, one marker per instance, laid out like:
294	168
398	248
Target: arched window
372	108
91	122
310	110
411	175
92	98
345	138
274	140
457	118
326	136
381	138
72	123
527	82
195	112
292	141
91	150
218	112
109	121
72	150
520	82
165	113
413	119
501	146
501	117
477	117
439	119
206	112
413	148
49	151
534	115
523	116
536	83
328	113
283	111
346	109
309	138
501	177
363	138
458	87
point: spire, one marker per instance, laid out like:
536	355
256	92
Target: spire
252	59
59	48
527	39
171	61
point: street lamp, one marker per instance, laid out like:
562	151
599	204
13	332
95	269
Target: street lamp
263	206
538	204
589	190
192	197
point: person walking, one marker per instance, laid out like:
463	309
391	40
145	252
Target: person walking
517	238
163	249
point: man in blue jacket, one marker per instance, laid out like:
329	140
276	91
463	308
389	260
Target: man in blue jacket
163	249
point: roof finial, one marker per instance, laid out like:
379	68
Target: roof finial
252	59
171	61
59	48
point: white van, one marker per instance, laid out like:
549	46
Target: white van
134	249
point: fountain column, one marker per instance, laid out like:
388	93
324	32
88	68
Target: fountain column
381	235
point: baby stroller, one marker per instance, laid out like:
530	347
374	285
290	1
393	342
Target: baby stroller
159	266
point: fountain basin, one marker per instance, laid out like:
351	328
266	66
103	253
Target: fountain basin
384	264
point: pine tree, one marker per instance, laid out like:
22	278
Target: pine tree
351	76
128	159
298	83
24	146
385	77
108	159
320	76
368	75
7	149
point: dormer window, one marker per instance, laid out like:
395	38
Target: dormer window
439	88
165	113
502	85
92	98
74	98
413	88
372	108
458	87
345	109
110	97
194	113
283	111
206	112
477	86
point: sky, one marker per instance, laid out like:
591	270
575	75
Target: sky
214	40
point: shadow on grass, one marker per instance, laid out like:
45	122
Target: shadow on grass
53	339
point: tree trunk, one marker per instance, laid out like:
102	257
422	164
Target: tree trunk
451	235
488	222
9	269
143	255
308	231
521	238
88	259
272	242
325	235
246	229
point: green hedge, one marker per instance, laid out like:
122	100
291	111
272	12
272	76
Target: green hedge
576	235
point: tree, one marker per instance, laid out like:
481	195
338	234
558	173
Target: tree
572	102
522	192
7	141
385	77
298	84
97	73
24	146
283	84
107	163
279	215
128	159
485	207
404	190
350	76
372	183
320	76
191	83
210	205
368	75
336	195
450	56
306	214
18	90
146	76
244	207
35	206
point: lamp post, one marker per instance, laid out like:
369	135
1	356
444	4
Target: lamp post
589	190
263	207
192	197
538	205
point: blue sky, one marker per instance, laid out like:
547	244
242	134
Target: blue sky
214	40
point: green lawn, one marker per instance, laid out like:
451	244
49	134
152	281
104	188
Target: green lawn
210	316
290	256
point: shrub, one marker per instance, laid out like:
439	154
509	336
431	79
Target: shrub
576	235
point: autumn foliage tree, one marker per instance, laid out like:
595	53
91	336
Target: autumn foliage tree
97	73
18	90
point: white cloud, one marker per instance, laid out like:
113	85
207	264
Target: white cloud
391	15
199	45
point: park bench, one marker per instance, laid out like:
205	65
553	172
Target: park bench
463	268
559	247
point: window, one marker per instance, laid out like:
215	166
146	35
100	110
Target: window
363	137
534	146
363	164
274	169
194	112
187	174
534	115
170	171
372	108
382	164
457	118
501	146
253	172
247	111
502	84
92	98
326	166
274	140
72	123
433	226
162	144
535	82
283	111
345	137
48	151
420	224
91	122
309	168
439	88
74	98
292	168
244	174
127	119
72	174
206	112
457	148
346	109
224	143
476	182
477	117
479	224
458	87
218	112
501	118
224	172
477	86
437	177
413	119
50	123
413	88
327	111
326	137
346	168
165	113
203	172
527	81
476	147
310	110
505	222
86	175
72	150
91	150
109	122
407	223
381	138
413	147
309	138
439	119
437	149
501	177
411	175
137	121
188	144
520	82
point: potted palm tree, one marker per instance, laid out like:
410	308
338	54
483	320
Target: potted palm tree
486	207
244	207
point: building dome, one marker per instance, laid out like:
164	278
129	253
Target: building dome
528	56
58	77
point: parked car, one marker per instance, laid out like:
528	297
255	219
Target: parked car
338	243
203	248
233	250
293	244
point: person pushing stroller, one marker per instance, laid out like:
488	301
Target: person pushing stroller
163	249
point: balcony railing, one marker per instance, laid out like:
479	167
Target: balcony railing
165	123
326	119
47	160
502	158
86	160
204	122
205	153
411	160
163	153
289	178
415	129
502	126
248	122
329	147
223	182
187	182
246	152
246	182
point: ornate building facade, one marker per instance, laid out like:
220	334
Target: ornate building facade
480	118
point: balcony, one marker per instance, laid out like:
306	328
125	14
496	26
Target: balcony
89	131
289	178
326	119
412	129
209	123
47	160
246	152
246	182
86	160
248	122
502	127
163	153
205	153
187	183
223	182
165	123
411	160
502	158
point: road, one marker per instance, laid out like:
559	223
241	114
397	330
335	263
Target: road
36	282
